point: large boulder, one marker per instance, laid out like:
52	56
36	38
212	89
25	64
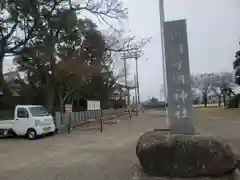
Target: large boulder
164	154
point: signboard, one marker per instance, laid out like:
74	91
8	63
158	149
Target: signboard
178	80
68	108
93	105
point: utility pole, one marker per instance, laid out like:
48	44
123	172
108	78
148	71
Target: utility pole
133	53
126	82
124	57
135	88
137	82
162	20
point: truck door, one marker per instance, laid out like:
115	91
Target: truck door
22	121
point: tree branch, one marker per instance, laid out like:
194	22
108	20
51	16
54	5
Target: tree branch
128	45
1	32
23	42
102	8
11	31
215	91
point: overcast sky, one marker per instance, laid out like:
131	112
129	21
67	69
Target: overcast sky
213	35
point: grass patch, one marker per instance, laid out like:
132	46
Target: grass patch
203	106
218	112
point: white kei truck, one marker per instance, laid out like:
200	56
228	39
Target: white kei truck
29	120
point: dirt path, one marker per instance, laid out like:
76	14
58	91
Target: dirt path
90	155
224	123
87	155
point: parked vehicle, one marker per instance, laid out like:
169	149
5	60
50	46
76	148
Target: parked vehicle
134	109
29	120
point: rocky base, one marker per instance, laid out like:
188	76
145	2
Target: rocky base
163	154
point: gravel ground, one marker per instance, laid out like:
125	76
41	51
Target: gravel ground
90	155
85	155
220	124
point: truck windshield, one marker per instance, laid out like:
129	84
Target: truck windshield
38	111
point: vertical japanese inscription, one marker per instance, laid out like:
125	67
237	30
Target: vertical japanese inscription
179	79
177	70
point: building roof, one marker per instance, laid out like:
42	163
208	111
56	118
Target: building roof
11	76
236	89
117	92
118	86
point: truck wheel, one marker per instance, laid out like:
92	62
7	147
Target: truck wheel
31	134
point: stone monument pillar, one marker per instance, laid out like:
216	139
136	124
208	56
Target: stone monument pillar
176	74
180	152
178	80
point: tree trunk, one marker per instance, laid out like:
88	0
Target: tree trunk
236	101
2	46
61	111
219	100
224	100
50	94
1	75
1	84
50	98
205	100
6	99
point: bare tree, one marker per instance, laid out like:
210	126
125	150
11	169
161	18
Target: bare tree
218	93
222	85
117	43
219	83
203	82
104	10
